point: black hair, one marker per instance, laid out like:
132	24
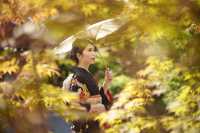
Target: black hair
78	46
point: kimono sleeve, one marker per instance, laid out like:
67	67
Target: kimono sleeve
107	98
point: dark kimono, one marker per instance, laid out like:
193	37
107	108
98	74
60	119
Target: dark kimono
82	82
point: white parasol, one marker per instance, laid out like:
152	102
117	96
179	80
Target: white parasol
96	31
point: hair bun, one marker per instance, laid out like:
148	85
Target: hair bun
73	54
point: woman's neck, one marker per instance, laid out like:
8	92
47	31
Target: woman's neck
85	66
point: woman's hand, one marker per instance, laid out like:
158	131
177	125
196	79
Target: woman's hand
94	99
97	108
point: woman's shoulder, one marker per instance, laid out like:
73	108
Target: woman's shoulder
72	79
82	74
79	71
67	81
73	73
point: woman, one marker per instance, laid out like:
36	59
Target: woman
93	98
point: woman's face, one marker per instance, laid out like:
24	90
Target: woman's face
88	55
